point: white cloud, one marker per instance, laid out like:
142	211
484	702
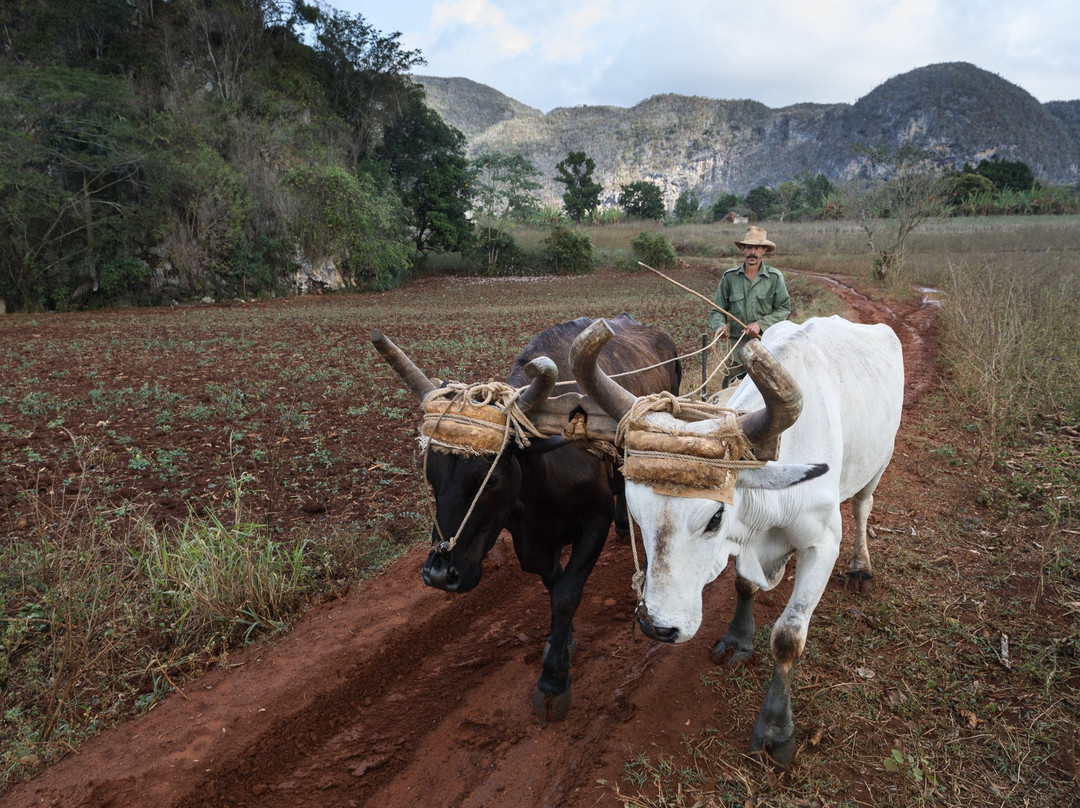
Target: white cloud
780	52
485	24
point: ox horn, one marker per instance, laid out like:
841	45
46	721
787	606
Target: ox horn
406	369
783	398
608	393
544	375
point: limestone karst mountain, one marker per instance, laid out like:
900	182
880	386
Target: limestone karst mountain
959	112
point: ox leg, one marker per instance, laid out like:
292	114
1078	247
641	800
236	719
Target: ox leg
738	644
773	737
551	697
860	573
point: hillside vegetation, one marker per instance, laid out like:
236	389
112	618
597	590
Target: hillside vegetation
153	151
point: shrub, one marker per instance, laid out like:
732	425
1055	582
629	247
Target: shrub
653	249
497	254
566	251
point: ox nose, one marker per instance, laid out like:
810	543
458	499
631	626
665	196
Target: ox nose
655	632
440	573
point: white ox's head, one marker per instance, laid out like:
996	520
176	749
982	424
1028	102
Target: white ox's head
692	527
688	541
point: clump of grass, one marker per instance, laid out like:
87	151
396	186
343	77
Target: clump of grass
1012	352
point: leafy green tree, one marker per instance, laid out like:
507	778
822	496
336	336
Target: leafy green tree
724	204
1012	175
653	249
505	189
73	33
642	199
71	181
965	185
814	190
427	161
687	206
582	195
365	73
788	197
762	201
568	251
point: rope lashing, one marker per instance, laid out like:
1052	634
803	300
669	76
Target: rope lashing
472	419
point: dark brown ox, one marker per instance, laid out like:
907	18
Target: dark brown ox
551	494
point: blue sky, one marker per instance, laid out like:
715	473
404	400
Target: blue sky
558	53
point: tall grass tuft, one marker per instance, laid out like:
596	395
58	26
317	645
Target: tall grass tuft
1011	328
218	584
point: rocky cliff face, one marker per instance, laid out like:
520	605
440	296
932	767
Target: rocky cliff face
959	112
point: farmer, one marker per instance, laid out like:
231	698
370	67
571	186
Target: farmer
754	293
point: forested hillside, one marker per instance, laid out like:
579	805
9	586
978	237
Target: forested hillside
157	150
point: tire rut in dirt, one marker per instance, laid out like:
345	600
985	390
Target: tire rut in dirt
365	730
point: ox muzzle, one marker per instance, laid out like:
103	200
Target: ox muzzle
449	572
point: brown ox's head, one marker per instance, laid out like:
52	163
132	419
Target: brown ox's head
476	496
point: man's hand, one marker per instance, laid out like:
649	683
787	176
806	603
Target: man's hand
722	331
753	330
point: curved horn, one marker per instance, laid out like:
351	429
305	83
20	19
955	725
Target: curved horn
783	398
544	375
608	393
405	368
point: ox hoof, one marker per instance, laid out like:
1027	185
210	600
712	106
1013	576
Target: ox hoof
774	753
551	706
730	651
859	581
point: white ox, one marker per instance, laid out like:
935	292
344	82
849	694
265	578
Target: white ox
851	380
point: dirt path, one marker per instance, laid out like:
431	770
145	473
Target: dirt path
399	695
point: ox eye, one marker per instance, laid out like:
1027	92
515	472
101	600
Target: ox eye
714	523
493	485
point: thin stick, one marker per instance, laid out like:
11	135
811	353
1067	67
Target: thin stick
712	304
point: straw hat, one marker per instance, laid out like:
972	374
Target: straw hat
756	236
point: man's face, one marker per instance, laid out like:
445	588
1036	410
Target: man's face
752	253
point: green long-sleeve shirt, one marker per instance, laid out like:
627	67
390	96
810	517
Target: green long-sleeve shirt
764	300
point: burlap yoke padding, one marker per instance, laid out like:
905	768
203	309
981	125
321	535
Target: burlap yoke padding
475	419
673	461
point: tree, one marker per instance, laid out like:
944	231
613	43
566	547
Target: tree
426	158
582	195
1013	175
365	73
724	204
687	206
642	200
965	185
761	201
73	171
815	190
788	197
902	191
341	214
505	188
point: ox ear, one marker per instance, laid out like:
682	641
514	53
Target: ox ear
774	476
